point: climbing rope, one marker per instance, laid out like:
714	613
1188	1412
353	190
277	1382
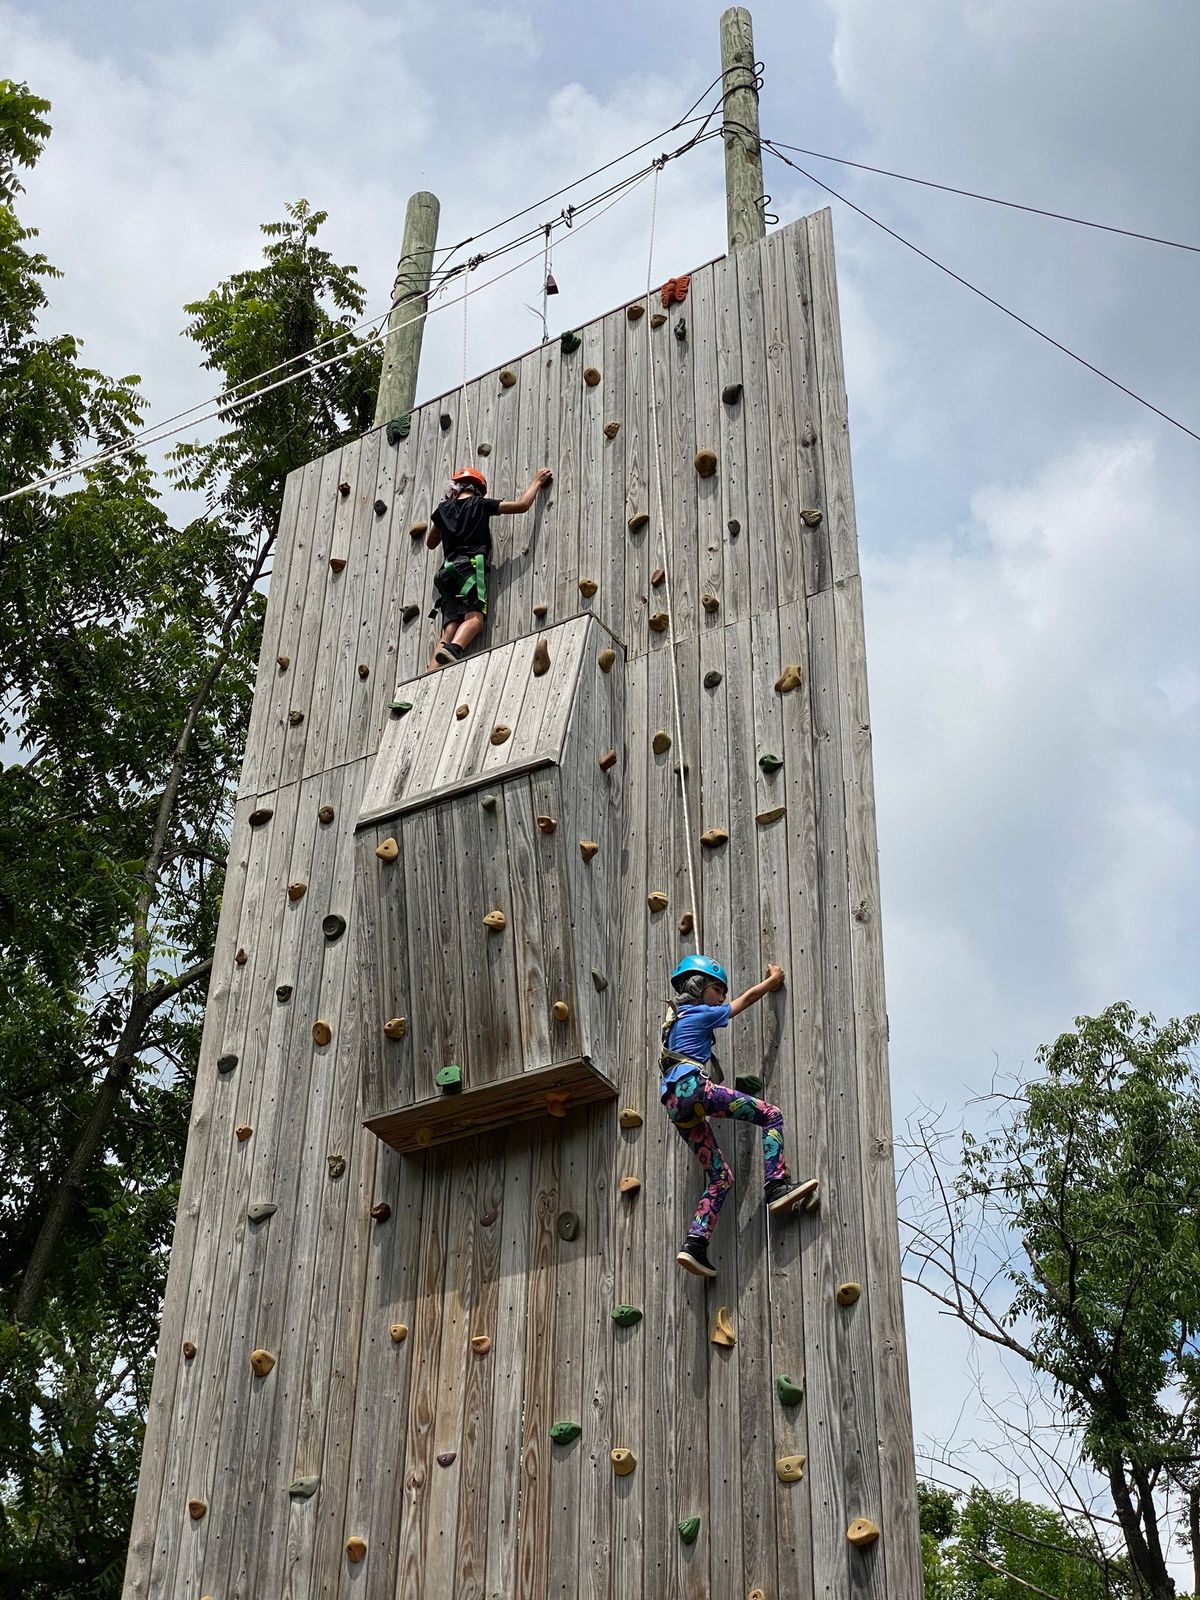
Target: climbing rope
666	567
466	410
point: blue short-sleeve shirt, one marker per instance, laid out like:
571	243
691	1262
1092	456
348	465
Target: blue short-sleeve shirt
692	1035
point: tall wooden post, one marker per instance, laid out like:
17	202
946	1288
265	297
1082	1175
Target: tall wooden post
743	152
410	300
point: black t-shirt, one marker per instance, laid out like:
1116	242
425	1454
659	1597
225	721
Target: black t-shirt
465	526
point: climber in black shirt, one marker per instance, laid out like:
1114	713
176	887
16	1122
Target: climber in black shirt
462	526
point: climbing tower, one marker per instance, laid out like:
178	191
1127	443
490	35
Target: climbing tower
424	1333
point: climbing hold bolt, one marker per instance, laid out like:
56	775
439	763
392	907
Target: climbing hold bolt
630	1185
400	708
495	921
588	848
295	718
623	1462
862	1532
196	1509
731	393
297	891
661	742
636	312
283	993
541	658
260	1211
630	1117
304	1488
380	508
395	1027
189	1350
748	1083
567	1225
333	926
336	1166
789	1469
387	850
657	577
656	900
788	679
398	1332
686	922
240	959
770	763
848	1293
242	1132
605	660
599	981
445	422
638	520
625	1316
381	1211
321	1031
712	679
261	816
705	462
560	1011
588	587
283	662
790	1394
712	837
449	1079
462	712
811	517
356	1549
226	1063
447	1458
481	1344
262	1361
546	824
688	1527
723	1331
507	378
611	429
500	733
337	563
765	818
608	761
591	377
659	622
565	1432
710	603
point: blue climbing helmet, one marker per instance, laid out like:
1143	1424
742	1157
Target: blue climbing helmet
705	964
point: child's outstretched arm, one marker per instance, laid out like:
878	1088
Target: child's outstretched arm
540	480
773	980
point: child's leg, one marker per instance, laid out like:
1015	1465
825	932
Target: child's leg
444	637
468	630
718	1179
722	1102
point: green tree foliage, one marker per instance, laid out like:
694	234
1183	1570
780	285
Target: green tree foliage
127	653
1088	1189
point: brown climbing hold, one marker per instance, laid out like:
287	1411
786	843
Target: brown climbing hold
381	1211
656	578
189	1350
656	900
283	993
862	1532
483	450
723	1332
295	718
388	850
630	1117
588	848
262	1361
488	802
283	662
788	679
489	1218
811	517
500	733
380	508
242	1132
661	742
461	712
560	1011
848	1293
418	530
630	1185
611	429
556	1102
635	312
447	1458
588	587
591	377
337	563
712	837
364	670
623	1462
605	660
638	520
659	622
789	1469
321	1031
657	320
241	958
326	815
710	602
356	1549
343	489
398	1332
757	1594
541	658
262	815
608	761
705	462
297	891
686	922
773	815
196	1509
546	824
337	1166
395	1027
495	921
540	611
481	1344
507	378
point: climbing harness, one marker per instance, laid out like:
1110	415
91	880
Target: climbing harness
458	580
671	1058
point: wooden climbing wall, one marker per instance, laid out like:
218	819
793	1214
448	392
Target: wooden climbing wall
438	1458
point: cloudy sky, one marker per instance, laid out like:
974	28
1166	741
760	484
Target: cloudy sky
1029	535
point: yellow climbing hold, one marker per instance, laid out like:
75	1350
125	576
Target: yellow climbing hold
848	1293
630	1117
356	1549
623	1462
262	1361
605	660
321	1031
588	848
862	1532
541	658
398	1332
789	1469
630	1185
547	824
773	815
656	900
395	1027
500	733
712	837
495	921
481	1344
723	1331
560	1011
388	850
638	520
788	679
297	891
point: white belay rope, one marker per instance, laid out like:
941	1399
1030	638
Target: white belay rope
666	566
465	407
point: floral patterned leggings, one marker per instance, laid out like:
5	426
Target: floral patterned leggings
689	1103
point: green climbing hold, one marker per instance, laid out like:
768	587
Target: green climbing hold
570	342
770	763
790	1394
303	1488
261	1210
625	1316
565	1432
398	428
689	1527
449	1079
748	1083
401	708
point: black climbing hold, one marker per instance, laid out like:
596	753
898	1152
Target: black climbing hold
568	1225
712	679
680	329
227	1063
263	814
599	981
380	508
333	926
483	450
731	393
261	1210
570	342
410	613
445	422
748	1083
398	428
734	527
284	992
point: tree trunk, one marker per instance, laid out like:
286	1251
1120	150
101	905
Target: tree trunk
1194	1533
1148	1565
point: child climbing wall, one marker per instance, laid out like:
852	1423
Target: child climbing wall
692	1092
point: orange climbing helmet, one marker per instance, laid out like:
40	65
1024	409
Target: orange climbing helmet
473	476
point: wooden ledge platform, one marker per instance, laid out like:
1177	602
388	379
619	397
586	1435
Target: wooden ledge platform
447	1117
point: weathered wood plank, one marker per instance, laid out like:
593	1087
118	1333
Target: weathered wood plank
737	592
264	710
537	1532
804	422
831	387
758	521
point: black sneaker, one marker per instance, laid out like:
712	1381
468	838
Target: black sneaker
447	654
782	1194
694	1258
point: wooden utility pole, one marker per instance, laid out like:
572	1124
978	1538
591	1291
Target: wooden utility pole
743	152
410	301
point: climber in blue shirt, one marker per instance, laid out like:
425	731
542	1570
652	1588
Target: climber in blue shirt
692	1092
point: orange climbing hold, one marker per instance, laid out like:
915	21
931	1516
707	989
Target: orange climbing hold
674	291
